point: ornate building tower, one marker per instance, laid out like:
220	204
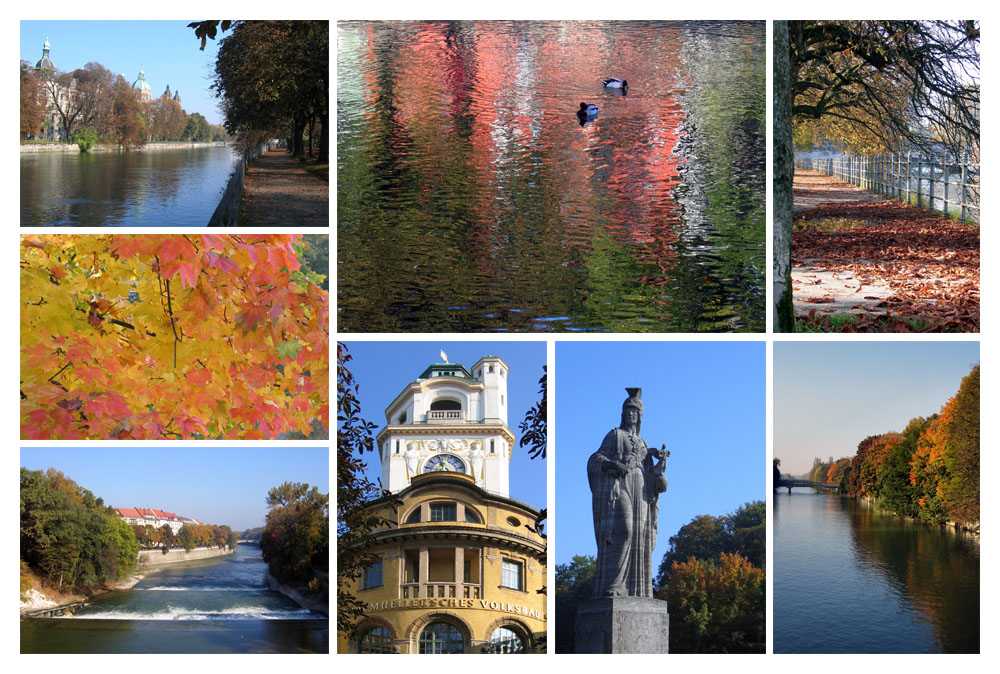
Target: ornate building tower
45	63
141	87
460	563
450	419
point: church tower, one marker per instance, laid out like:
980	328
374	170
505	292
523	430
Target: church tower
141	87
450	419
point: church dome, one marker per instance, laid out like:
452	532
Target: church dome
141	84
45	63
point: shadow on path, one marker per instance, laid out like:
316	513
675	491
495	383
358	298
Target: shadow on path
893	267
278	193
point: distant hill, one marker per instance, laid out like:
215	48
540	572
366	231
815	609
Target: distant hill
252	534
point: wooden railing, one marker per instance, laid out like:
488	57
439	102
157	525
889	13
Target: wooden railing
937	182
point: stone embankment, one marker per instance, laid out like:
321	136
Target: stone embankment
306	601
149	558
27	148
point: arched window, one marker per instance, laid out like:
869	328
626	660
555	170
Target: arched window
441	637
446	405
472	516
506	640
414	517
375	640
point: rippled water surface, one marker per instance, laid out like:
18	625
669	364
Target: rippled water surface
471	197
142	188
851	579
217	605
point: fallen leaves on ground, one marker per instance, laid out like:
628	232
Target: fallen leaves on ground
930	263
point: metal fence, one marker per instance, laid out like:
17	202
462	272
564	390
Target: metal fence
227	213
938	182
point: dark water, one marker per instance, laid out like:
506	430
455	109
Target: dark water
851	579
471	198
151	188
218	605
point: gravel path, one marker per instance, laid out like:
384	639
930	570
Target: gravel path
278	193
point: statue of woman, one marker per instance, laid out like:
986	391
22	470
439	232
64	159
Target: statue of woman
626	485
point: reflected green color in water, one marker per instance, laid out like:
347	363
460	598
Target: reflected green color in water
472	198
142	188
852	579
215	605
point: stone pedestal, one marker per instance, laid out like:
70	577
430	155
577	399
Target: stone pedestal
622	625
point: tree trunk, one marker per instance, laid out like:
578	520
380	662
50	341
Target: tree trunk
783	170
324	141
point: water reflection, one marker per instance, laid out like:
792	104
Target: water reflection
179	186
852	579
471	197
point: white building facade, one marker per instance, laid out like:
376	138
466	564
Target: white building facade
450	419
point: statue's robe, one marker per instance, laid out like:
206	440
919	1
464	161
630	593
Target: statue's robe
625	514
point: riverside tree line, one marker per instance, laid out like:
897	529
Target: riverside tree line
92	104
712	577
73	542
295	541
929	471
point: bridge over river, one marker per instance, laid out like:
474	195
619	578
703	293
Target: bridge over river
790	482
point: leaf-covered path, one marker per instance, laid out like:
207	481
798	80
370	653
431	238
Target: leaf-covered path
894	267
278	193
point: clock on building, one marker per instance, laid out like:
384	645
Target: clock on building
444	462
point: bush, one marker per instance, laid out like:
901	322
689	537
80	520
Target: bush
85	139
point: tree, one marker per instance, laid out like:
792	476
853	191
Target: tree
170	336
80	98
295	539
355	519
776	473
274	75
32	102
895	82
574	586
716	607
197	128
534	433
126	125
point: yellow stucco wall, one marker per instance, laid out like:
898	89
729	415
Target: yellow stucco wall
477	609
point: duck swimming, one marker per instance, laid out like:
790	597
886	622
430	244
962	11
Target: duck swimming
587	110
615	83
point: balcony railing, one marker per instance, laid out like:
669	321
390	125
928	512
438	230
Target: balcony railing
441	590
445	415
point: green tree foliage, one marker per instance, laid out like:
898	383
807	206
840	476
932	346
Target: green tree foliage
85	139
68	536
355	520
296	541
574	585
274	76
534	431
716	607
706	537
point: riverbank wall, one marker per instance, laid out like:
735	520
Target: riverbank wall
149	558
305	601
227	213
71	148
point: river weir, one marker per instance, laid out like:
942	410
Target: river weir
219	605
851	578
174	186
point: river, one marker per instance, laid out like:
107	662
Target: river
218	605
471	197
852	579
142	188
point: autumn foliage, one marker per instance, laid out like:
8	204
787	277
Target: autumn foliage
170	336
931	469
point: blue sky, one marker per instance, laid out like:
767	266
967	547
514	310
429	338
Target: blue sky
829	396
167	51
217	485
383	369
705	400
